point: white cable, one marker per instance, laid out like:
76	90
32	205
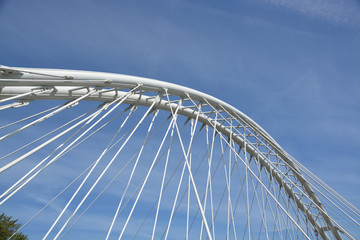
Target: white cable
120	101
48	115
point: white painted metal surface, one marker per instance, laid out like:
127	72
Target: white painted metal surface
250	146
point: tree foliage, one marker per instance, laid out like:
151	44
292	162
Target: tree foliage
8	227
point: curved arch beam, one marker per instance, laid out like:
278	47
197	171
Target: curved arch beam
49	84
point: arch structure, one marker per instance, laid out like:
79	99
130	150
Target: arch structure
119	156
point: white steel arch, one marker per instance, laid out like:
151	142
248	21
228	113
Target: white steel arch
279	198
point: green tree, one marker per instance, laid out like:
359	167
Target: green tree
8	227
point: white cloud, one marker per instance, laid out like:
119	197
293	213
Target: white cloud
345	12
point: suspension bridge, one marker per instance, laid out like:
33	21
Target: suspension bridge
125	157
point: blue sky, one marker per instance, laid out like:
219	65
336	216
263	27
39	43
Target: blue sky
292	66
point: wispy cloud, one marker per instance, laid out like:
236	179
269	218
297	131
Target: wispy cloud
345	12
